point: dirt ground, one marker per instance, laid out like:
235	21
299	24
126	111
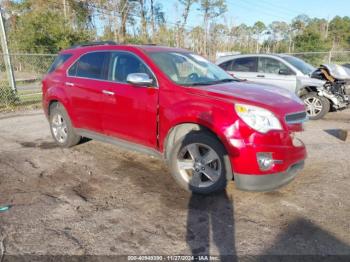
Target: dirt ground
96	199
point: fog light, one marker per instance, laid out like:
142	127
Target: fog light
265	161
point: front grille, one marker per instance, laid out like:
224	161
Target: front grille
296	118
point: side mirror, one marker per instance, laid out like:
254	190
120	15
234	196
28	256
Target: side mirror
139	79
285	72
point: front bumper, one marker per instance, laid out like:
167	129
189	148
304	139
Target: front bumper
267	182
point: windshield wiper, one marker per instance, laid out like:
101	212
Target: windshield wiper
213	82
201	84
226	80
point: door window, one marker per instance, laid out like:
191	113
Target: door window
91	65
272	66
225	65
245	64
122	64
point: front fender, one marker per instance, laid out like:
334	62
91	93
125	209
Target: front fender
215	115
306	81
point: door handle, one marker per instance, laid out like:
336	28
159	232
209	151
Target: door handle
106	92
69	84
260	76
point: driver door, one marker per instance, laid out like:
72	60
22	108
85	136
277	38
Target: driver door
130	111
273	72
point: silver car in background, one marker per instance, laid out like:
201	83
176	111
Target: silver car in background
283	71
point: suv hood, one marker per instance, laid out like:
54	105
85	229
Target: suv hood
275	99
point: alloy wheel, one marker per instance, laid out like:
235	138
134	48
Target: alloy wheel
313	106
199	165
59	128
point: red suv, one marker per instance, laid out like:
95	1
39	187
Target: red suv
208	126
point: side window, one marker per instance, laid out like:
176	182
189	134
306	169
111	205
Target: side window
91	65
273	66
225	65
122	64
59	61
244	64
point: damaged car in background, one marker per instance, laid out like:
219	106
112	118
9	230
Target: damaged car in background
336	88
323	89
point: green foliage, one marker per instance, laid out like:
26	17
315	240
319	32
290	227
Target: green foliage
45	26
259	27
44	32
82	14
7	96
212	8
310	41
340	30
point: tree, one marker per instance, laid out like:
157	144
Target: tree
310	41
339	31
258	28
39	26
197	37
143	11
211	9
217	39
185	13
300	22
279	36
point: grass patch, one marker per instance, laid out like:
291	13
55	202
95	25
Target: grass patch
23	99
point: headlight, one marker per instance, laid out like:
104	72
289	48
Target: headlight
258	118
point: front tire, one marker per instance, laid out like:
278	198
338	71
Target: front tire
316	106
199	163
61	127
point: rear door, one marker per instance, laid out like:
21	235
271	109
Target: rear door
130	111
85	82
243	67
274	72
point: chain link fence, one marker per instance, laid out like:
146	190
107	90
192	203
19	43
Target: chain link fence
30	68
318	58
28	71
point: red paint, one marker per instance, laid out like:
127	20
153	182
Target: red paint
132	112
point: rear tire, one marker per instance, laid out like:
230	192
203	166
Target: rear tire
316	106
199	163
61	127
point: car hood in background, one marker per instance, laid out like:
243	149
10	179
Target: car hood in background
338	72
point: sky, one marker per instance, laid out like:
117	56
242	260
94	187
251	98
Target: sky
267	11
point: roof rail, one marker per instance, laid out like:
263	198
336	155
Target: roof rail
94	43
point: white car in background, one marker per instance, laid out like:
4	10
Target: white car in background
283	71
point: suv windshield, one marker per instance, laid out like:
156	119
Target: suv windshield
189	69
299	64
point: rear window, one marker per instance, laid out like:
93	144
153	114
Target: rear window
60	59
91	65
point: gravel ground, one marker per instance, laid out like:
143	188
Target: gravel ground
96	199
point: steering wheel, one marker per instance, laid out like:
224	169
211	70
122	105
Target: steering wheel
193	77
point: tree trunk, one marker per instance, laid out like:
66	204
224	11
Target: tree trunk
143	21
152	19
124	17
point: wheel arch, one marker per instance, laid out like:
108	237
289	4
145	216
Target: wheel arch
181	129
307	89
50	104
